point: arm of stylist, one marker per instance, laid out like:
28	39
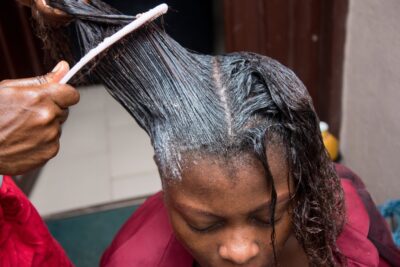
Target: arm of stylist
32	111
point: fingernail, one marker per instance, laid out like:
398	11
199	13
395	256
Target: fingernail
57	67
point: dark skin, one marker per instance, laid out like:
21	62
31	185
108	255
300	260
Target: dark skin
220	212
42	11
32	111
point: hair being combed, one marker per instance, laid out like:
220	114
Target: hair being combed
216	105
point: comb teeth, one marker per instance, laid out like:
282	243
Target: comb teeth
140	20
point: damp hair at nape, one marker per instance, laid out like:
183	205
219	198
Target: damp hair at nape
213	105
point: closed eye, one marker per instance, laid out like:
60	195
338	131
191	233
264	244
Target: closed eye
206	229
262	222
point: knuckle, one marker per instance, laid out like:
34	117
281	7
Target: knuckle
35	97
66	112
42	79
54	149
77	95
64	115
4	82
46	116
73	94
9	93
53	134
57	134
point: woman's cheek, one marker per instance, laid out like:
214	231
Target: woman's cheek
191	240
202	247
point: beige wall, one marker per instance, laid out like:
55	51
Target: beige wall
370	136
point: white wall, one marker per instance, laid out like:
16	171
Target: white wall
370	136
104	157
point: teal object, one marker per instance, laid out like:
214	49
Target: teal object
391	210
85	237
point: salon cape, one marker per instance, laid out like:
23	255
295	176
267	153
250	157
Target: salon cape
147	238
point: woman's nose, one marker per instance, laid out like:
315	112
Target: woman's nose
239	252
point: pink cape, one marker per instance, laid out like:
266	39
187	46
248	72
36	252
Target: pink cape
24	238
147	238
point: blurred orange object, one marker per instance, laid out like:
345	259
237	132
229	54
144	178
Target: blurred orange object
330	142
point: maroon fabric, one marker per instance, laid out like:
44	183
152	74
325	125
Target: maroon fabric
378	232
24	238
147	237
353	241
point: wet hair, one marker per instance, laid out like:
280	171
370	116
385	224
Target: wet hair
193	104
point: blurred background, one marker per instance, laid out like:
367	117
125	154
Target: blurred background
345	51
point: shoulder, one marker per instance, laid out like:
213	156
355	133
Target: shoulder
365	238
353	240
24	237
146	239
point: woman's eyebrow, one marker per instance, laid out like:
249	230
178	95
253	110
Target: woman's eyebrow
266	205
185	207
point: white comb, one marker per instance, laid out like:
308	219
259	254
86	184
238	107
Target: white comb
141	19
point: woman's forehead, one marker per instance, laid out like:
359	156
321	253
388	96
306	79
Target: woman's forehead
213	177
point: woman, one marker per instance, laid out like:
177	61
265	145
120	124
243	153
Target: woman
246	179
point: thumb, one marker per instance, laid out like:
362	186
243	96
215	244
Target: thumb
52	77
58	72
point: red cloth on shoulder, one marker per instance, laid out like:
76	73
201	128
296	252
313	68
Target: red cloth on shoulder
147	238
353	241
24	238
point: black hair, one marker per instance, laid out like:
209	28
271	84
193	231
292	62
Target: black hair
219	105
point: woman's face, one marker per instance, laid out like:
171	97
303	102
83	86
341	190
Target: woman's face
220	210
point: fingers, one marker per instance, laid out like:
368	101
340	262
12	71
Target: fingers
53	114
47	10
63	95
52	15
25	82
64	115
55	76
59	71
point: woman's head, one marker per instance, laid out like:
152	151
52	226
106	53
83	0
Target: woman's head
242	199
231	134
221	208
